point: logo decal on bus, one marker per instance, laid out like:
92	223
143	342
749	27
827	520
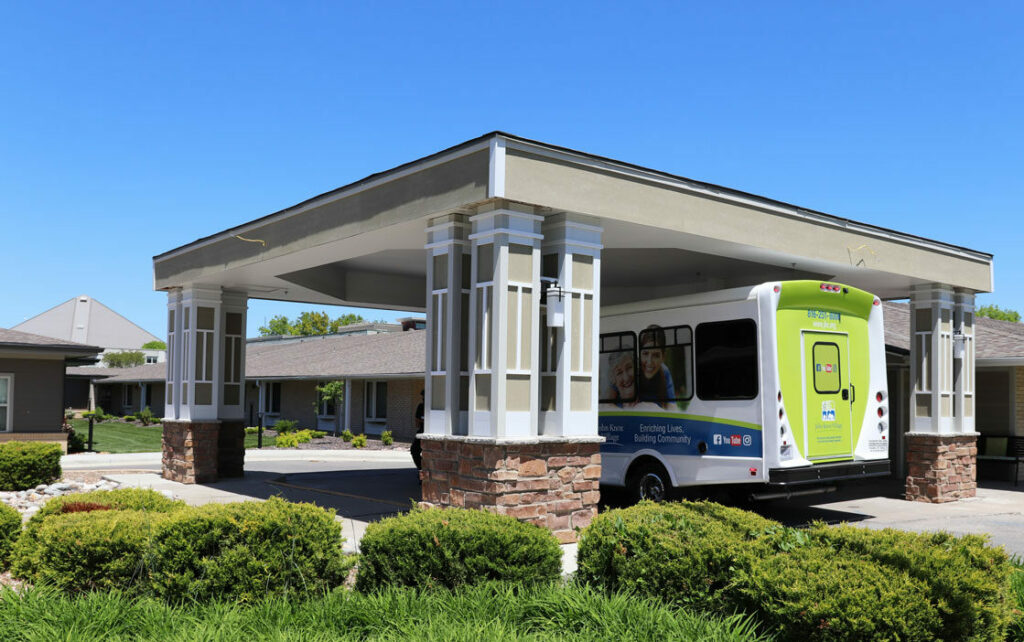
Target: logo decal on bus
828	411
828	367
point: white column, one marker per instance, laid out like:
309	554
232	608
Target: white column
175	352
963	364
504	321
230	365
348	405
569	354
931	360
447	371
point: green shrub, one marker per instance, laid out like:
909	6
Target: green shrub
1016	630
143	500
809	593
346	435
252	430
86	551
146	416
76	442
247	550
453	547
284	426
128	418
967	579
316	434
386	438
24	465
683	553
359	441
10	528
287	440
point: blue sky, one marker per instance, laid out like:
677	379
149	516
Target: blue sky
128	129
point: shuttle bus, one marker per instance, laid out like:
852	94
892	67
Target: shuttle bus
779	386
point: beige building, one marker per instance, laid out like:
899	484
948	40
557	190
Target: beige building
475	235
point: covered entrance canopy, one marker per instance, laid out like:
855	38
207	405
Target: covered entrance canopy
500	216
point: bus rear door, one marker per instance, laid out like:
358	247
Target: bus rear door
828	429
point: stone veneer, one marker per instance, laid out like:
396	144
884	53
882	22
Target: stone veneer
941	468
190	451
553	484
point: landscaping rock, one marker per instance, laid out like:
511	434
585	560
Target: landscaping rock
28	502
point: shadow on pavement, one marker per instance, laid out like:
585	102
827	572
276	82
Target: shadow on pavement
364	495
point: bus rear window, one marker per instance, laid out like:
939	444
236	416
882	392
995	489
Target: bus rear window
726	360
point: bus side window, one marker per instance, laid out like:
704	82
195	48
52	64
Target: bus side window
666	364
617	371
726	360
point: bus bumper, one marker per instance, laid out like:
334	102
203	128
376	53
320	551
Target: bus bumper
829	472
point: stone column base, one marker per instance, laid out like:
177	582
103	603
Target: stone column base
190	451
231	448
550	483
941	468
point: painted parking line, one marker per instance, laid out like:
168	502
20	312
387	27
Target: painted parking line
340	494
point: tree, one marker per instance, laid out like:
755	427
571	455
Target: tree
154	345
334	391
995	312
128	359
308	324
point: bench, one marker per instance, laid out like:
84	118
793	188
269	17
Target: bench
1003	449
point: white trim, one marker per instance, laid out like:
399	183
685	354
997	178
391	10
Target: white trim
496	169
505	230
9	376
327	199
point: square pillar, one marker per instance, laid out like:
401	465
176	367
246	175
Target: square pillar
942	444
204	416
569	354
504	304
493	454
446	389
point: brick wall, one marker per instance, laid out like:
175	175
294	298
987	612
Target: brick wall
551	484
403	397
941	468
297	402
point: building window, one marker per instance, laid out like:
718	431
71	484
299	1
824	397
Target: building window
272	397
326	406
376	399
128	397
151	359
6	385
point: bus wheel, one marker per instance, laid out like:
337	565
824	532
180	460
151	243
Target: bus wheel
649	481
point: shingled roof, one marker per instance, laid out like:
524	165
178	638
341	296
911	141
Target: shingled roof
994	340
25	340
389	354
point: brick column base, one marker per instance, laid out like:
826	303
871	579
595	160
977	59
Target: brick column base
553	484
190	451
231	449
941	468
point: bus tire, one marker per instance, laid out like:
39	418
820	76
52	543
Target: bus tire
649	480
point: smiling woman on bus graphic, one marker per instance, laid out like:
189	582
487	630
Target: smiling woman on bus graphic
656	380
622	377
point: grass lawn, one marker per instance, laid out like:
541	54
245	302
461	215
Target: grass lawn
120	437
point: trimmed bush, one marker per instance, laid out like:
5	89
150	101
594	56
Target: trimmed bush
1016	630
346	435
453	547
26	464
76	442
86	551
359	441
146	416
811	594
10	528
145	501
968	580
283	426
386	438
683	553
248	550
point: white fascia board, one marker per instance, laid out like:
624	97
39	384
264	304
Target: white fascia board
751	201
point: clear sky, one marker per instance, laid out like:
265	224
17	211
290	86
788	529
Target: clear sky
128	129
